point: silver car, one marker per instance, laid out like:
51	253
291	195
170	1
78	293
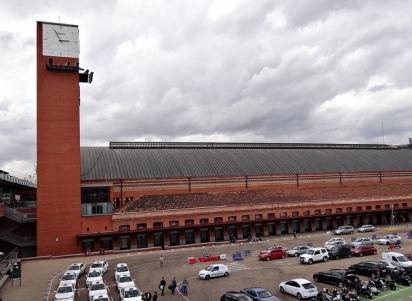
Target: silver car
366	228
344	230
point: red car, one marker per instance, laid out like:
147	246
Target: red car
272	254
364	250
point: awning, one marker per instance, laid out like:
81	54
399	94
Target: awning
106	238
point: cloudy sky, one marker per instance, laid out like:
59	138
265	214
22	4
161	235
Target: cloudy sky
241	71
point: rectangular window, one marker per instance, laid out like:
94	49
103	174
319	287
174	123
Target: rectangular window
395	206
387	206
359	208
123	228
368	207
306	212
258	216
404	204
338	210
157	225
295	213
174	223
245	217
218	220
328	211
189	222
232	218
271	215
348	209
284	214
141	226
204	221
378	207
318	212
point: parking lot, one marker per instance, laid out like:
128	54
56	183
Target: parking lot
40	278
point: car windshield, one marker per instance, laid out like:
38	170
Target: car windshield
402	259
310	252
69	277
264	294
209	268
64	289
97	265
97	287
94	274
131	293
74	268
308	286
122	269
126	279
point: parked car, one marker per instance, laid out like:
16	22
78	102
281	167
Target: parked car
314	255
364	250
361	241
338	277
344	230
334	243
235	296
333	240
368	268
299	287
397	259
272	254
96	289
366	228
103	297
389	239
68	278
274	247
94	276
124	281
77	268
131	294
65	292
340	251
259	294
121	270
214	270
99	265
392	268
297	251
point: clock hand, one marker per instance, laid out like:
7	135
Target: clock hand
57	34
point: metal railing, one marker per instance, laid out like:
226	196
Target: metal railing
20	217
7	261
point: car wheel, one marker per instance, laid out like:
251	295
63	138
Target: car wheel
296	255
226	274
360	254
340	284
373	275
267	258
310	261
325	259
282	290
316	278
375	252
207	277
283	256
299	296
337	257
387	242
349	255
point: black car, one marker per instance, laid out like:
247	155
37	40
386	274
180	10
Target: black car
369	268
235	296
340	251
338	277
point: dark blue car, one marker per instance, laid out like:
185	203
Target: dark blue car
259	294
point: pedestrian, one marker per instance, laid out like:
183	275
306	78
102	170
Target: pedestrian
155	296
148	296
185	286
294	234
174	285
162	285
161	259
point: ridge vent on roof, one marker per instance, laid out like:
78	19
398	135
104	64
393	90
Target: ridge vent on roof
224	145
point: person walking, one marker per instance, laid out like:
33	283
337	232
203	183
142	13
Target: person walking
155	296
294	234
161	259
185	286
148	296
174	285
162	285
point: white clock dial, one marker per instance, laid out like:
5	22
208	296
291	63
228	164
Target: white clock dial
60	40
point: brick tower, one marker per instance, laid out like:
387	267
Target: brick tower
58	139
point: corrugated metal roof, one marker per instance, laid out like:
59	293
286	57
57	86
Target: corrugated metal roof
157	160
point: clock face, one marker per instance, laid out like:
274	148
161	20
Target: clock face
60	40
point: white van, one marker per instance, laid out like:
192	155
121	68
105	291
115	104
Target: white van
214	270
397	259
